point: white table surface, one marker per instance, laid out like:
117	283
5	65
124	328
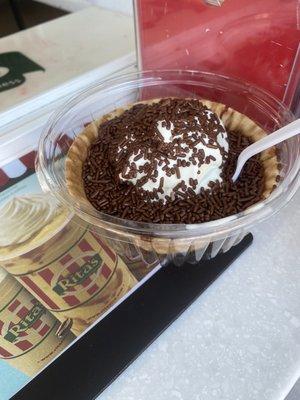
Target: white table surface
241	339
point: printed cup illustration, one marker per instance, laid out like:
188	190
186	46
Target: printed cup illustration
70	270
30	337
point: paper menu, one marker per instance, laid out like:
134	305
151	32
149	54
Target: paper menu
16	178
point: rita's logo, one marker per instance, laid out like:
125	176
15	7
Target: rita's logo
75	275
13	66
17	330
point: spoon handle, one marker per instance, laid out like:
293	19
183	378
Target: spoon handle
274	138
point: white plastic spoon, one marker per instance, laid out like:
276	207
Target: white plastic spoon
274	138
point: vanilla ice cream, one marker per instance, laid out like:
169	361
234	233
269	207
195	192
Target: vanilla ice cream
190	154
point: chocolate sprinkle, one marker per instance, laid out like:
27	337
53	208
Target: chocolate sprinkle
109	194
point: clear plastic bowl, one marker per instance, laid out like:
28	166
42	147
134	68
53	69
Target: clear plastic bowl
176	242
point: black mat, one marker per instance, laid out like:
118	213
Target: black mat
93	362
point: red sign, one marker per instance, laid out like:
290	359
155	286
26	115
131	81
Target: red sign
255	40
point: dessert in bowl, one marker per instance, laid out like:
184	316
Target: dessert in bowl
157	173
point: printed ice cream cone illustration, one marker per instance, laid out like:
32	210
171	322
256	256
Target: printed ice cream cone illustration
70	270
29	334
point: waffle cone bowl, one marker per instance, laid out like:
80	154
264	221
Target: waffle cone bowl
232	120
253	118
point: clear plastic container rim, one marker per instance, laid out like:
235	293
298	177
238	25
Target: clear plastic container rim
217	228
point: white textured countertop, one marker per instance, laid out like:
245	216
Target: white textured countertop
241	339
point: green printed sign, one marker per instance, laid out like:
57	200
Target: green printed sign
15	65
